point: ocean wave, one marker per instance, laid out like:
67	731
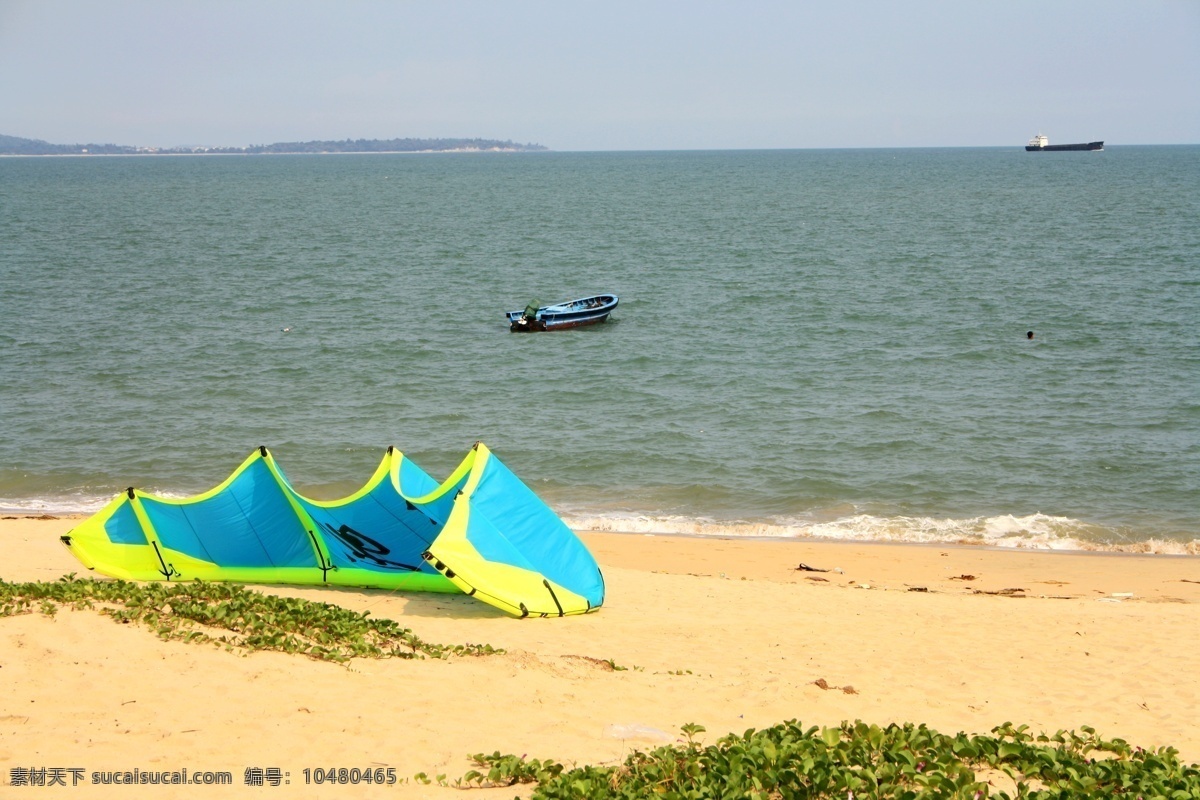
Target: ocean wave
1031	532
71	503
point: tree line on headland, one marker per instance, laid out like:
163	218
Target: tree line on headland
16	146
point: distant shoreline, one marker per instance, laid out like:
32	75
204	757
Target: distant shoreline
19	146
174	154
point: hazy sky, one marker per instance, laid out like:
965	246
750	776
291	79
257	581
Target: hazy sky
609	75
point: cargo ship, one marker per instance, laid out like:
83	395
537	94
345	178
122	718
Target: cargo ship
1042	142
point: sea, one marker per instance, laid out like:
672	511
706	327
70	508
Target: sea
974	346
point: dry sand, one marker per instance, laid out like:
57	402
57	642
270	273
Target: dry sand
728	634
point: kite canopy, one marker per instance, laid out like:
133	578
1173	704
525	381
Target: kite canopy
482	531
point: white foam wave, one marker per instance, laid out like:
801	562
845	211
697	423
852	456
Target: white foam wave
1033	532
69	503
54	505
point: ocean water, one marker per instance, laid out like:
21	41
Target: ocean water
809	343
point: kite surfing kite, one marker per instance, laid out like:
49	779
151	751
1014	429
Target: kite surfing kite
481	532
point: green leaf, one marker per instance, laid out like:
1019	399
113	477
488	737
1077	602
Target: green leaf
1009	750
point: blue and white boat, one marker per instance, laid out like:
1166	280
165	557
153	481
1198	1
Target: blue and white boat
569	314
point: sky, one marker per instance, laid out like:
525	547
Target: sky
611	75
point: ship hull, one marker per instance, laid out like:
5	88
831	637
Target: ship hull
1059	147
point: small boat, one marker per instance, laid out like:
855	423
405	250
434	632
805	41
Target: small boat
570	314
1041	143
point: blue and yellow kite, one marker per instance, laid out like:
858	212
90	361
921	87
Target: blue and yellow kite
482	531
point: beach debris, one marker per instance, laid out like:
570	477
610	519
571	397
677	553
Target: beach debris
606	664
1018	592
918	588
821	683
806	568
1181	580
1122	594
637	731
963	577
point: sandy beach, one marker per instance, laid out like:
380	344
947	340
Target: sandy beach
729	634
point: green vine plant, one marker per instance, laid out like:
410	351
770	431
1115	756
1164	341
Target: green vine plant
857	761
235	617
